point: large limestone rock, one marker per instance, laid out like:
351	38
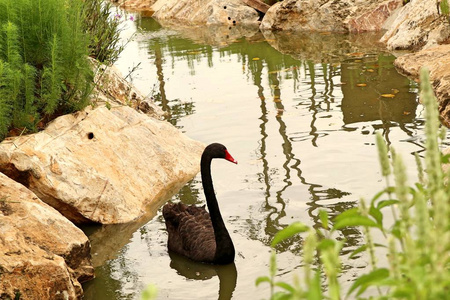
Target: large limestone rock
102	165
141	6
329	15
417	25
437	60
42	254
205	12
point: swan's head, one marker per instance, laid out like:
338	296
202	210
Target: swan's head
217	150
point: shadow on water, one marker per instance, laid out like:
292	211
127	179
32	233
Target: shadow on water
334	77
189	269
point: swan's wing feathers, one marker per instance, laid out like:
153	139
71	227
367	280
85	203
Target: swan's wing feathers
190	231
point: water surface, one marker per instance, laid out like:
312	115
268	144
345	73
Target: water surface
298	111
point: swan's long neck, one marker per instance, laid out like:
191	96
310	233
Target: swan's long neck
224	244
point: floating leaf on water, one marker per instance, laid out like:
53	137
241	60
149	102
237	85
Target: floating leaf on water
361	84
255	58
387	95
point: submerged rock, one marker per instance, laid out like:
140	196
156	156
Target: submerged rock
437	60
42	254
417	25
205	12
334	15
101	165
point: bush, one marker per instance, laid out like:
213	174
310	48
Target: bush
44	46
418	244
43	61
104	28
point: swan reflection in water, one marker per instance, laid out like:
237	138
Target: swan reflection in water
200	271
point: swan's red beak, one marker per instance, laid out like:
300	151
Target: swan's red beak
229	157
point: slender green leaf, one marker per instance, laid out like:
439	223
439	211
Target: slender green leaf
281	296
366	280
348	213
377	215
355	220
445	159
326	244
315	289
323	215
358	250
385	203
262	279
286	286
288	232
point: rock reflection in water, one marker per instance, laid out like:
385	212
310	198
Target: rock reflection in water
227	274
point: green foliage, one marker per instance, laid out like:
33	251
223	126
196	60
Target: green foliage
104	29
43	56
149	293
44	49
443	7
418	243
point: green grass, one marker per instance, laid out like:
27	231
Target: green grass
417	244
44	49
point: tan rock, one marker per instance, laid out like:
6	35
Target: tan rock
373	17
437	60
208	12
102	165
326	15
142	6
42	254
417	25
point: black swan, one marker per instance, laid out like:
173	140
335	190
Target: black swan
195	233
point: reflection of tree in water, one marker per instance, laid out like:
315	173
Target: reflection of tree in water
291	165
176	108
189	193
373	90
256	56
104	286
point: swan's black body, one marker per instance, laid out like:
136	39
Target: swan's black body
195	233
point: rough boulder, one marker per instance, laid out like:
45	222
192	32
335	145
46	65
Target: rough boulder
205	12
437	61
418	25
102	165
326	15
42	254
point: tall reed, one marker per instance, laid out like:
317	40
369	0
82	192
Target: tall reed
44	46
418	243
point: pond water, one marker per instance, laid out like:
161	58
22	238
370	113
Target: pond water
298	111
